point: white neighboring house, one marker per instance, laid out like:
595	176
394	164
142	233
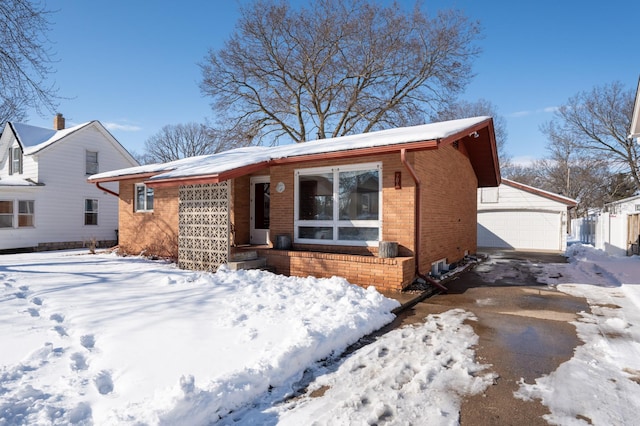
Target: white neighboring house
45	199
618	227
521	217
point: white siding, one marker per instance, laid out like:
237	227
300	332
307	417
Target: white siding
59	204
521	220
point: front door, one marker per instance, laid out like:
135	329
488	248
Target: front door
260	202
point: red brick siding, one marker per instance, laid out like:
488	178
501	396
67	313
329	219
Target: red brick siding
397	204
240	210
385	274
155	233
449	209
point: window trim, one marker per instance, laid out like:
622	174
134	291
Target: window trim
87	164
86	211
32	214
11	215
335	223
145	208
12	160
490	195
15	214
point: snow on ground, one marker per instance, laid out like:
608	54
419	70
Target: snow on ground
600	385
102	339
414	375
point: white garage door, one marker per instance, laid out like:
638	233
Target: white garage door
520	230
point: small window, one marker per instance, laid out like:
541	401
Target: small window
15	166
25	214
6	214
637	207
489	195
90	212
144	198
92	162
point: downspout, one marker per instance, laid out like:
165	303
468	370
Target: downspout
418	216
102	188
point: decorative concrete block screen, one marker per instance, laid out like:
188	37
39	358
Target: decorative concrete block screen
203	226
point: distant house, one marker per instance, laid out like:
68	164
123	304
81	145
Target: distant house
521	217
378	209
634	131
45	200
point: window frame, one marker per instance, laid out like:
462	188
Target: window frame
13	153
335	223
87	211
31	214
145	208
10	214
490	195
91	167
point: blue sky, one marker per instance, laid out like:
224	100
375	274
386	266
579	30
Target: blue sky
133	64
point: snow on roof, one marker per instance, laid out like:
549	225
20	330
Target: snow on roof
34	139
16	181
242	157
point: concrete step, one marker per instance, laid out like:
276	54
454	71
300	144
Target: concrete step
258	263
243	255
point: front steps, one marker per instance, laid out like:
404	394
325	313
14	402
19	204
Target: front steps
246	260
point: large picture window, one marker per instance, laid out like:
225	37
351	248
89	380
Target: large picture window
144	198
340	205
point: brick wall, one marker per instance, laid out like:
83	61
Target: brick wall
156	232
385	274
240	208
449	209
397	215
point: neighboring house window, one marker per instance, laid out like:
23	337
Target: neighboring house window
91	162
6	214
638	207
340	205
90	212
25	213
489	195
15	166
144	198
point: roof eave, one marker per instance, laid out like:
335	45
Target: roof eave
125	177
241	171
564	200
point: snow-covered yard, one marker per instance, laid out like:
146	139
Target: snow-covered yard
101	339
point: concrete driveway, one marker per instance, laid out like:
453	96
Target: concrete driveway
523	327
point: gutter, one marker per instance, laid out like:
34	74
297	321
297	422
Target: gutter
418	216
107	190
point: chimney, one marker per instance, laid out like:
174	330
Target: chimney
58	122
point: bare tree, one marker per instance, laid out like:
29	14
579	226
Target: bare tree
25	61
571	170
174	142
598	122
336	67
481	107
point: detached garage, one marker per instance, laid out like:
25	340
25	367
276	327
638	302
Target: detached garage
521	217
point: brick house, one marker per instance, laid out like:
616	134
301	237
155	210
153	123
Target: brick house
319	208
